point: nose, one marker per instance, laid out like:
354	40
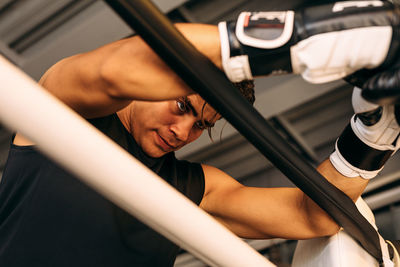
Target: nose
182	128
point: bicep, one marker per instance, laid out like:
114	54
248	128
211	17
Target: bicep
252	212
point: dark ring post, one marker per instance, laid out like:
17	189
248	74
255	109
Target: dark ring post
210	82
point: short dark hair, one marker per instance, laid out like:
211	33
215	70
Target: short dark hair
246	88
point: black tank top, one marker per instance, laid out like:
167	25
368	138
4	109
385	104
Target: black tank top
48	218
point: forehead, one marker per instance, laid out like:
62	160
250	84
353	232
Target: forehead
204	110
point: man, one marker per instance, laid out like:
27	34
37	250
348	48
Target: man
48	218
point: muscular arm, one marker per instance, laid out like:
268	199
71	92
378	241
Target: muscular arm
105	80
273	212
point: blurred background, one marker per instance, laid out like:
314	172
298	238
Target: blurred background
34	34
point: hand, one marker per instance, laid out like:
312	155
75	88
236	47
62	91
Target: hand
322	43
379	86
370	139
375	125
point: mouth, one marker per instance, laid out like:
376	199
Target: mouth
165	145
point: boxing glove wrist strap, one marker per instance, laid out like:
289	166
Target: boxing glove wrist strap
354	158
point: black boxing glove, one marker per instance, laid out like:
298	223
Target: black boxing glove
380	86
322	43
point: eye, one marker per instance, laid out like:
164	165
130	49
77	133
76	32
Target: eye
181	104
200	125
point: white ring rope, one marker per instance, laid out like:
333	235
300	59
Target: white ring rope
79	147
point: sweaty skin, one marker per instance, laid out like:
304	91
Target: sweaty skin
128	78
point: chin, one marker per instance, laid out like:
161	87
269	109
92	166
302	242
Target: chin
154	153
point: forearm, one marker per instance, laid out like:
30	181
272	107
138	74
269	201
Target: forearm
363	148
134	71
318	219
352	187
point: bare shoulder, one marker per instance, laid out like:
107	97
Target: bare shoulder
218	180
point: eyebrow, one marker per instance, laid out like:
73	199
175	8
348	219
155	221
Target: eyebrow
189	104
195	113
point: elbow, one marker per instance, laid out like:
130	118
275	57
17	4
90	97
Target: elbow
331	230
320	224
325	227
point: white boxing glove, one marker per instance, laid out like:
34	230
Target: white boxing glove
369	140
322	43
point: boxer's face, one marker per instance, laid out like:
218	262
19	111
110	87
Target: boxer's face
162	127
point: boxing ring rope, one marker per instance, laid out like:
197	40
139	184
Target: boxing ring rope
72	142
206	79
